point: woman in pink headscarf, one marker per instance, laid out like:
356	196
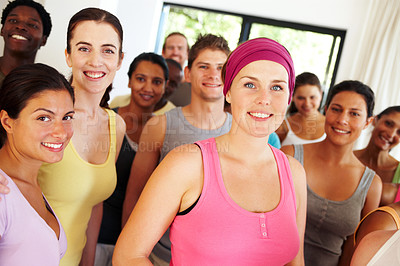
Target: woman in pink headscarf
230	200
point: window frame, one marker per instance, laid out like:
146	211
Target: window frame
248	20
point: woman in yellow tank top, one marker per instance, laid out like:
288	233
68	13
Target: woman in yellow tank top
77	185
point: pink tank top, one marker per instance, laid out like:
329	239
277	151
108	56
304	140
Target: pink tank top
219	232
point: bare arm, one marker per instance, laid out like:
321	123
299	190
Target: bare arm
389	192
371	203
177	183
369	246
300	184
144	163
373	196
121	129
92	234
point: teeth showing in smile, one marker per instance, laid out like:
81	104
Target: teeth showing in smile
341	131
385	140
19	37
50	145
147	97
212	85
260	115
94	75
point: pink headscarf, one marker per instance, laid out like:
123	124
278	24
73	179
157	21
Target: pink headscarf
255	50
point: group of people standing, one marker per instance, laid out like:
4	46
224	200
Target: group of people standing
145	182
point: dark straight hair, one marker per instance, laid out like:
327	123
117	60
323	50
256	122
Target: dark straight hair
25	83
357	87
305	78
97	15
150	57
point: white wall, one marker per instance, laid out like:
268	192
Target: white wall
140	22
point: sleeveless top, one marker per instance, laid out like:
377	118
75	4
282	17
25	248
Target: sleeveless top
392	212
396	176
110	227
292	138
25	237
389	253
217	231
74	186
330	222
178	132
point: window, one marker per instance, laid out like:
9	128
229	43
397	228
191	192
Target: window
313	49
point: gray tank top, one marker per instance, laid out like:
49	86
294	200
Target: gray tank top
178	132
330	222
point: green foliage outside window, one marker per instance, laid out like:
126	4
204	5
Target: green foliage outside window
310	50
192	22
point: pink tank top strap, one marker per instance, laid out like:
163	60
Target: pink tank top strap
284	171
397	198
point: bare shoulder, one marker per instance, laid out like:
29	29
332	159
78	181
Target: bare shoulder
288	150
120	125
300	184
376	185
373	195
376	220
369	245
154	130
297	169
389	192
185	157
183	168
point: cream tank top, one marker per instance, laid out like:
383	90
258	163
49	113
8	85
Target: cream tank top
292	139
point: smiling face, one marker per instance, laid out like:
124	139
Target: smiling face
346	117
95	56
205	75
176	48
259	97
23	31
43	128
386	133
307	99
147	84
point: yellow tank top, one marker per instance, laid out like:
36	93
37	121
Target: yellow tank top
73	186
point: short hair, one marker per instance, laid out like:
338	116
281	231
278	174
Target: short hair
305	78
44	15
208	41
24	83
150	57
173	63
97	15
389	110
172	34
357	87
